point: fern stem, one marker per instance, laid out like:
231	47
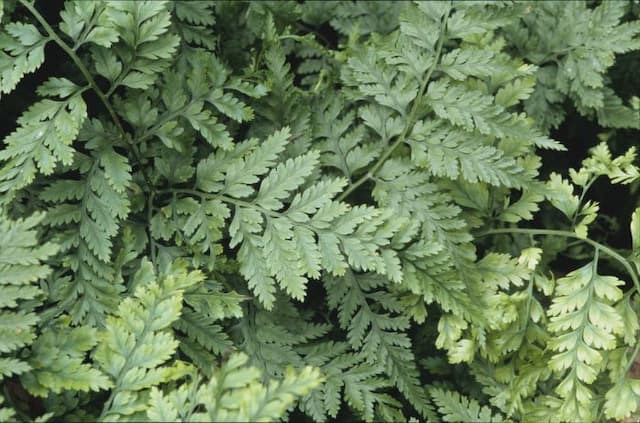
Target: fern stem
94	86
153	251
567	234
411	120
581	199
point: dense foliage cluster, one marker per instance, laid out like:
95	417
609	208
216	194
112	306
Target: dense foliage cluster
247	211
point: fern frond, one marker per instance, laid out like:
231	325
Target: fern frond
623	399
587	325
452	154
365	18
379	336
288	244
457	408
57	360
43	139
88	22
237	393
581	59
137	341
282	108
145	46
86	213
281	342
21	52
193	22
22	259
342	145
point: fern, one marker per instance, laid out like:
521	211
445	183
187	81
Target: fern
44	136
143	39
238	392
57	362
193	22
23	53
330	211
136	343
263	227
95	207
455	408
573	65
21	262
592	325
380	334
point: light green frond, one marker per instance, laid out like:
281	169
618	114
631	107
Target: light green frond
137	342
22	265
586	326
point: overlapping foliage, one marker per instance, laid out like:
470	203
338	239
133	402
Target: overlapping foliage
246	211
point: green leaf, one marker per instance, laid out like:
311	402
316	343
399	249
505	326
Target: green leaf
285	178
560	194
623	399
88	22
204	122
143	28
241	172
378	334
43	139
22	257
457	408
137	341
462	63
454	154
586	325
57	363
159	408
21	52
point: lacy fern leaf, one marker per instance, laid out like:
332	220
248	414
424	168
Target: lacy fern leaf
456	408
21	266
234	211
137	342
586	325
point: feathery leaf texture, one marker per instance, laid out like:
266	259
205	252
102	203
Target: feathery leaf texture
255	211
22	265
137	341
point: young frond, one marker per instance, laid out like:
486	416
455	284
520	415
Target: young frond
586	326
138	341
235	392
